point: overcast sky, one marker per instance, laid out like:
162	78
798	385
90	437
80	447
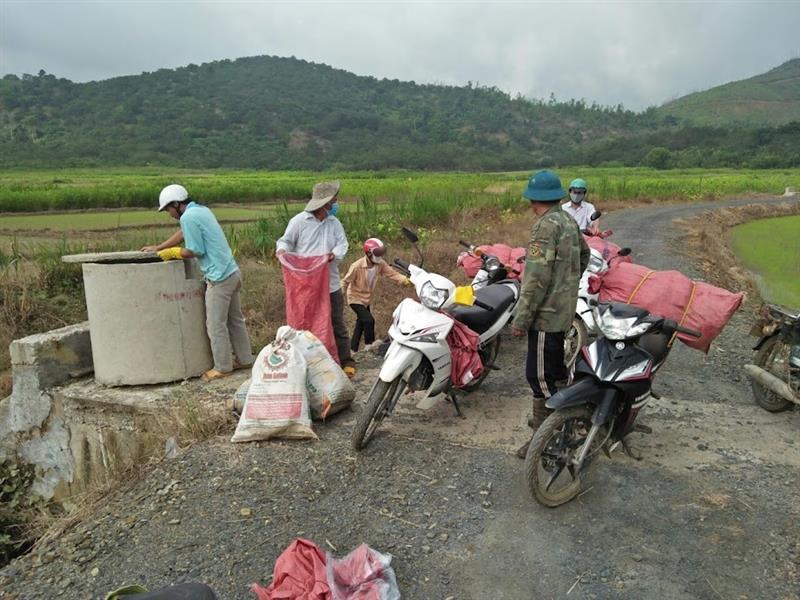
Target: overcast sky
636	53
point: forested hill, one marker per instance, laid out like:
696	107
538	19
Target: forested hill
285	113
772	98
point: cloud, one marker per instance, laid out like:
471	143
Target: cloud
635	53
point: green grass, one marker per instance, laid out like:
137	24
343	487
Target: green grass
105	220
770	248
68	189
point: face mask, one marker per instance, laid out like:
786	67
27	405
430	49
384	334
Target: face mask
333	209
376	259
577	198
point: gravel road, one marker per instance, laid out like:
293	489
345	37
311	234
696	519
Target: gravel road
711	511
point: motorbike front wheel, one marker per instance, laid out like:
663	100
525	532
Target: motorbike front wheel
549	470
378	405
773	357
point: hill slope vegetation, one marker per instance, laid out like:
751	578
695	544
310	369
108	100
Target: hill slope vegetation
772	98
285	113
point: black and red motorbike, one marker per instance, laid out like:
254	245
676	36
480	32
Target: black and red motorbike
613	378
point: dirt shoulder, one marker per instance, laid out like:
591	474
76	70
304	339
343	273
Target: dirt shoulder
710	512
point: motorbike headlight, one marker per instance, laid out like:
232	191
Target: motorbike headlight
491	264
615	328
431	296
595	263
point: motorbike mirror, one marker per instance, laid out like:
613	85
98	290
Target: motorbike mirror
595	215
624	251
411	236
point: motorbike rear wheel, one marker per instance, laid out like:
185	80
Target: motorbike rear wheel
378	404
551	451
773	357
574	340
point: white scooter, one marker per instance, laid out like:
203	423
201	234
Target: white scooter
418	358
588	328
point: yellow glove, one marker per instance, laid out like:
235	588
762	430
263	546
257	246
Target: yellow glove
465	295
173	253
407	282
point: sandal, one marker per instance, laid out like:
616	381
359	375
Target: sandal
213	374
350	371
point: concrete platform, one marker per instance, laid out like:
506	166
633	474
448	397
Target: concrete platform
131	256
78	434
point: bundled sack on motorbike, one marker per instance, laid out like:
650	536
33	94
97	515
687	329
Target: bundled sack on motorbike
276	404
504	253
693	304
607	250
308	302
465	365
304	570
329	389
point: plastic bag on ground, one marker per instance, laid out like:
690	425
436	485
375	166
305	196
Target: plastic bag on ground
276	404
308	301
364	574
329	389
465	363
693	304
305	571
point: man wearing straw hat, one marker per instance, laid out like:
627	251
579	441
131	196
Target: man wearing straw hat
316	232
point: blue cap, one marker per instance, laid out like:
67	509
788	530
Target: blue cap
544	186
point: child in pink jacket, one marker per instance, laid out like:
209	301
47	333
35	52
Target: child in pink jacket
360	281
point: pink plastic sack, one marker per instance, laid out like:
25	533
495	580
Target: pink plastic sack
504	253
308	301
607	249
693	304
465	363
304	571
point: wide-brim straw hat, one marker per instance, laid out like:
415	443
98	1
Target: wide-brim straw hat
323	193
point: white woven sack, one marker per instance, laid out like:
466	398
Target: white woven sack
276	404
329	389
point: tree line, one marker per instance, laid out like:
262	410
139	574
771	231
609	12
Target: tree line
286	113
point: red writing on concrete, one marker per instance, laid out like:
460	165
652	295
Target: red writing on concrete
177	296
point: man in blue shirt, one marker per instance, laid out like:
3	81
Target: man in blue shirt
317	232
204	239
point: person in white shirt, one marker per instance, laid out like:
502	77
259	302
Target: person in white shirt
316	232
579	209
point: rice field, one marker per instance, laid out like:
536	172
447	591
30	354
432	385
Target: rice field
770	248
71	189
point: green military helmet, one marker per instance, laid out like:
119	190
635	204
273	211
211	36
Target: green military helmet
578	184
544	186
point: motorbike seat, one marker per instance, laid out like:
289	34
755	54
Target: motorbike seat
499	297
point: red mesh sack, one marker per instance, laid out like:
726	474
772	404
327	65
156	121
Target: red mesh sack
466	364
504	253
308	300
671	294
607	249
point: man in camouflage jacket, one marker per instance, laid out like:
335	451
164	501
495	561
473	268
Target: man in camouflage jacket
557	256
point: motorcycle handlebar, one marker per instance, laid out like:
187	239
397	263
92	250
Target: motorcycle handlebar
465	244
402	265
